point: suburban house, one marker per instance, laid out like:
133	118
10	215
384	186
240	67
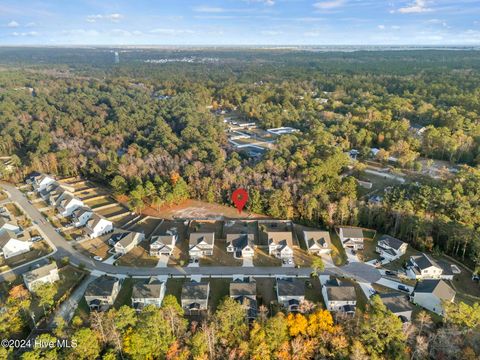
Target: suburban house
339	296
11	246
162	245
194	296
290	293
424	267
9	225
241	245
40	182
42	275
68	203
54	196
102	292
126	241
351	237
201	244
81	215
398	304
150	292
430	294
50	189
97	226
317	242
280	244
390	248
245	293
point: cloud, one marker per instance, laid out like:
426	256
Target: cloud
381	27
109	17
13	24
265	2
271	32
29	33
30	24
169	31
415	7
331	4
209	9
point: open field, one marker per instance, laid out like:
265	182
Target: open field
192	209
138	257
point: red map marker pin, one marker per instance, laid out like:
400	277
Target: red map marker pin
240	198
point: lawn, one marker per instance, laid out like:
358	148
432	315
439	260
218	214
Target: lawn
219	289
138	256
314	294
220	256
261	258
124	296
368	253
38	249
13	209
301	257
338	254
174	287
95	203
266	291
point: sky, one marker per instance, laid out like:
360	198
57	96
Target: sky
240	22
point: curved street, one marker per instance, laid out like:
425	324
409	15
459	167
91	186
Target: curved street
63	248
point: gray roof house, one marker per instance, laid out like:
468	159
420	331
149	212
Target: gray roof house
194	296
290	293
11	245
280	244
128	242
339	296
245	292
81	215
431	294
390	248
42	275
149	292
398	304
201	244
425	267
241	245
317	242
162	245
102	292
351	237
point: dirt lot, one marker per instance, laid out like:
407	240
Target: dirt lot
192	209
138	257
95	247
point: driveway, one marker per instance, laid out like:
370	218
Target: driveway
367	289
247	261
162	261
392	284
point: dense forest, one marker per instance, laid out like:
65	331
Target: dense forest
150	130
164	333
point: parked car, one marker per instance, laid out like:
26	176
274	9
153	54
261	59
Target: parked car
403	288
98	258
36	239
391	273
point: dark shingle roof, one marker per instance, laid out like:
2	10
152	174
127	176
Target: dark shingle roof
241	288
352	232
424	262
291	287
103	286
317	237
439	288
150	289
392	242
195	290
341	293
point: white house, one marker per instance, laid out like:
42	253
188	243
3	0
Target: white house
163	245
339	297
40	182
431	293
146	293
11	246
351	237
97	226
9	225
390	248
201	244
280	244
424	267
128	242
81	215
398	304
241	245
41	275
67	204
317	242
290	293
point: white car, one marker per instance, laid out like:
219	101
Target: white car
98	258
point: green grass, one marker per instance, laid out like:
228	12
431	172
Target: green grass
219	289
124	296
339	255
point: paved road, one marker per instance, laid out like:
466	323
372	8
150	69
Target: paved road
360	271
